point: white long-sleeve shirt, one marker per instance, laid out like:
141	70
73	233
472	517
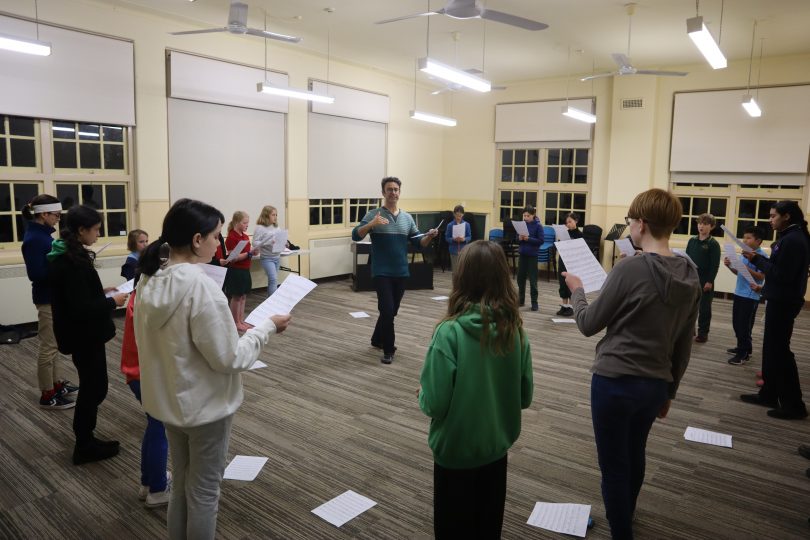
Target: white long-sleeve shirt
262	237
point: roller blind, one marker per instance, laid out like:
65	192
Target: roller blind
541	121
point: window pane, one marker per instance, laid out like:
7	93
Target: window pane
531	199
506	157
64	130
566	175
506	198
2	125
554	157
520	174
89	132
68	194
565	200
90	156
113	156
718	207
5	197
23	153
338	214
18	125
64	155
91	196
765	209
551	215
116	198
683	226
102	230
567	156
551	200
20	227
520	157
505	214
113	133
582	156
742	224
3	153
748	208
326	215
532	157
314	214
353	211
506	174
6	232
700	205
582	218
579	201
117	224
531	174
581	175
517	199
23	193
313	202
686	202
553	175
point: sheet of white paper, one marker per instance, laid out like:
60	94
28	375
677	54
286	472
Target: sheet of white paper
102	248
707	437
737	264
561	232
579	260
127	287
237	250
244	468
682	253
735	239
459	230
289	293
258	364
563	321
359	314
217	273
563	518
625	246
439	297
280	240
343	508
521	228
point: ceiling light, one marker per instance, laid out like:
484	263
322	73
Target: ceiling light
580	115
705	42
433	118
24	45
268	88
449	73
751	107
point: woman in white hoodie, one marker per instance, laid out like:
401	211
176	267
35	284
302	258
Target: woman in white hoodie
191	358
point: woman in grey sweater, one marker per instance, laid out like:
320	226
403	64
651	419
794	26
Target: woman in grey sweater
648	304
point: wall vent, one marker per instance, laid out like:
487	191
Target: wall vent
632	103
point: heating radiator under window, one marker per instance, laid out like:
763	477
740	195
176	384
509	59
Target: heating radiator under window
330	257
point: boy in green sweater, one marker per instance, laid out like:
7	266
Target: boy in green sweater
704	250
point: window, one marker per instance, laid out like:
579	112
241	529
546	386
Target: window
520	165
567	166
88	146
13	197
18	142
360	207
325	211
513	202
109	199
695	206
756	212
560	204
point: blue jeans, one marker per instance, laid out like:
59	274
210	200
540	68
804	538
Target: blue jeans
154	450
270	266
623	410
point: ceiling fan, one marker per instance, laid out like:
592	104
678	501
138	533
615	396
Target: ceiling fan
473	9
237	24
623	60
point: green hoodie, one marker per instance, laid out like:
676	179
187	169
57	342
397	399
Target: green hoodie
473	396
57	248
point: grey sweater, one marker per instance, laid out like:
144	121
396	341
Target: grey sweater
649	305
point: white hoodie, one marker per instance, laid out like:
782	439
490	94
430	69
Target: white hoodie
190	354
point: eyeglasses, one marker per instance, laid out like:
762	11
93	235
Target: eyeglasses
627	220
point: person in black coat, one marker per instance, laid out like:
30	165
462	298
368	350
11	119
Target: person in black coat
82	323
786	274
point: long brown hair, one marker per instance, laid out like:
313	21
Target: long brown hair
264	217
483	277
238	217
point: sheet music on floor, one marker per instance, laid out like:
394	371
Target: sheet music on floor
561	232
288	294
359	314
625	247
245	468
236	251
579	260
737	264
215	272
280	240
258	364
735	239
565	518
127	288
707	437
343	508
521	228
563	321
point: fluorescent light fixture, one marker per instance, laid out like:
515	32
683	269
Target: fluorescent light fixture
449	73
705	42
24	45
577	114
433	118
751	107
268	88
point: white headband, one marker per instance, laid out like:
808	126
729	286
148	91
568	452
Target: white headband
42	208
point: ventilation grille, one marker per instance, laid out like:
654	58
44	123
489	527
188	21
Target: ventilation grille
632	103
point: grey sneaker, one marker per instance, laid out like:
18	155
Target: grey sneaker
161	498
387	359
143	491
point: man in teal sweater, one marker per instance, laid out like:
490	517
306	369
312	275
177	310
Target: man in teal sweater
704	251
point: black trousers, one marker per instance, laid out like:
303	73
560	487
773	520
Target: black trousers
778	362
389	295
91	363
468	503
743	315
705	313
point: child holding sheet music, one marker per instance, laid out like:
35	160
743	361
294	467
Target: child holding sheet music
266	227
455	243
746	300
237	280
190	360
704	251
476	378
527	251
566	309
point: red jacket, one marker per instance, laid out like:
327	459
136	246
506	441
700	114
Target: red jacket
230	243
129	350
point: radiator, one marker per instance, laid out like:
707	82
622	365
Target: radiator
330	257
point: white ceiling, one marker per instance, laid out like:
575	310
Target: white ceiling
596	27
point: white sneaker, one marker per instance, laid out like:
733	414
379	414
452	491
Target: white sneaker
143	491
161	498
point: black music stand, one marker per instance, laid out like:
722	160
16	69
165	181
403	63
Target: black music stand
614	234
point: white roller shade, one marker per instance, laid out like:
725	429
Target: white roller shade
229	157
352	103
346	157
541	121
712	133
87	78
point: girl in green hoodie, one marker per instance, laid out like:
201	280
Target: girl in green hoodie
476	379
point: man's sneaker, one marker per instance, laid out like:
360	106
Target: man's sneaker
569	312
143	491
561	312
161	498
733	350
387	358
739	359
64	388
54	402
535	307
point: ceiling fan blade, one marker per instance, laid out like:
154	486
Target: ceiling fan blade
512	20
208	31
664	73
598	76
621	60
273	35
415	15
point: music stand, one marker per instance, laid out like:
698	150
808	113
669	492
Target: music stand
614	234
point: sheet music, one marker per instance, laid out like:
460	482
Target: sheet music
127	288
625	246
288	294
563	321
102	248
215	272
707	437
237	250
561	232
244	468
280	240
563	518
521	228
579	260
359	314
735	239
258	364
737	264
343	508
459	230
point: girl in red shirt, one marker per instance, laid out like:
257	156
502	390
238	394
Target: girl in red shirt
237	280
